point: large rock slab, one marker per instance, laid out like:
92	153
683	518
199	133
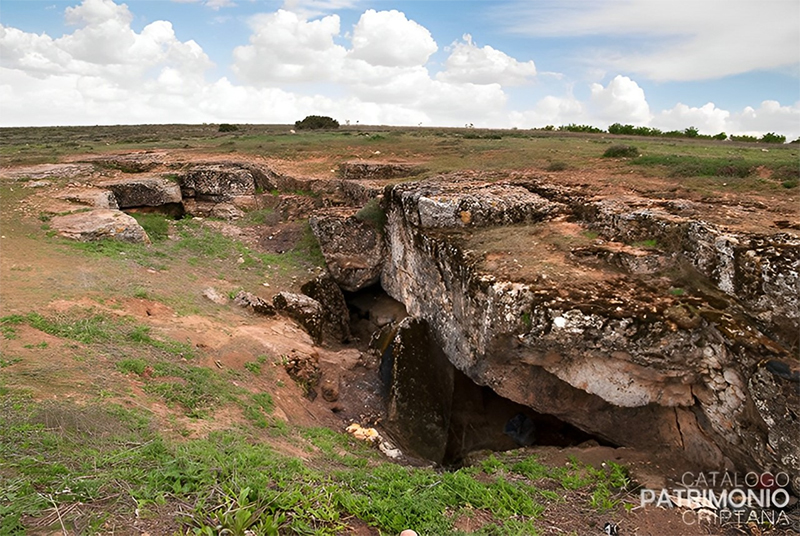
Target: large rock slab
100	224
353	249
421	391
374	170
143	191
304	310
222	182
89	196
616	354
336	316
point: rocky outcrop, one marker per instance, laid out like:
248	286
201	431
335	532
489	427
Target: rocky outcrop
420	397
254	303
372	170
302	309
139	162
223	190
99	224
93	197
222	182
353	249
144	191
612	351
336	317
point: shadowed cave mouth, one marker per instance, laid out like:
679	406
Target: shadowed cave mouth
174	211
433	410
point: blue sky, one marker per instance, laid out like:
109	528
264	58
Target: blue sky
719	65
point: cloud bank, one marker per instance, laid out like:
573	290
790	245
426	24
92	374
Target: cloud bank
298	62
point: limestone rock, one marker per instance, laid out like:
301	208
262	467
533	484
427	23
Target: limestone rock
470	204
93	197
143	191
138	162
100	224
254	303
602	343
420	397
370	170
222	182
212	294
336	315
304	310
353	249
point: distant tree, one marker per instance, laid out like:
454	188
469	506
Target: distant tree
771	137
721	136
691	132
314	122
744	137
226	127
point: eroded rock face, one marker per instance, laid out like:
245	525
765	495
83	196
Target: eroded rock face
353	249
600	342
336	317
223	182
255	303
100	224
421	394
368	170
144	191
304	310
139	162
93	197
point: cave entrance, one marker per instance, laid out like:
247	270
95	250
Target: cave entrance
481	419
173	211
433	410
372	310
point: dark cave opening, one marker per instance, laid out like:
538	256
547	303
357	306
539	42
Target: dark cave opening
434	410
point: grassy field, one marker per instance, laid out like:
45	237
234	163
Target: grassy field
440	150
117	416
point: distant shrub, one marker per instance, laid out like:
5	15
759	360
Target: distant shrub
721	136
572	127
556	166
771	137
373	213
314	122
227	127
744	137
621	151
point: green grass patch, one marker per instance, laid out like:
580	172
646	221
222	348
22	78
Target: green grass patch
155	225
621	151
373	213
229	482
698	166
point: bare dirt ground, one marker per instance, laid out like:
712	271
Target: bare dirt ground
37	274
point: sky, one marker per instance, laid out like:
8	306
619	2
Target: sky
718	65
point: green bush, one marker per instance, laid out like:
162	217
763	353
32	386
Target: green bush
373	213
771	137
556	166
314	122
227	127
621	151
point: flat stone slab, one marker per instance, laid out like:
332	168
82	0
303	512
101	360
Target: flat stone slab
100	224
152	191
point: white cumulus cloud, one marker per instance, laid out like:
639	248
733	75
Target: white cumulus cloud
389	39
287	48
621	101
675	39
708	119
484	65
